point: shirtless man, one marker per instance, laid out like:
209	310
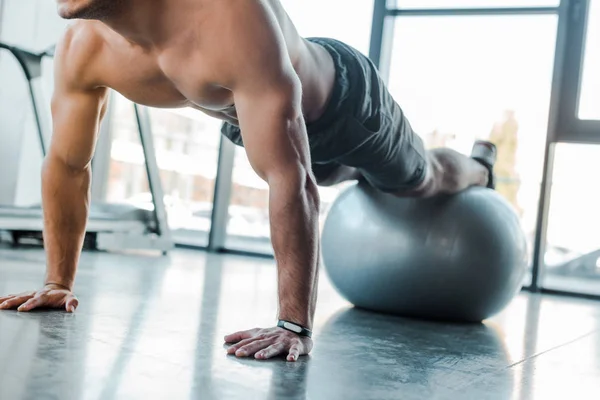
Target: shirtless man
307	111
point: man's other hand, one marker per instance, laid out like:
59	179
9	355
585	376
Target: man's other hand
51	296
268	343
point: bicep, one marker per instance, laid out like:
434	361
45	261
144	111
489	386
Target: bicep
274	131
76	116
79	98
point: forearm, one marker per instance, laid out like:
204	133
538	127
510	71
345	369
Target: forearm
294	211
65	197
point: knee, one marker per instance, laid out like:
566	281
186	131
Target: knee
429	186
442	176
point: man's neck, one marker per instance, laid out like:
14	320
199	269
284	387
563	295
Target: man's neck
149	23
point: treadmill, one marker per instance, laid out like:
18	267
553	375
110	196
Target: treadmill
110	227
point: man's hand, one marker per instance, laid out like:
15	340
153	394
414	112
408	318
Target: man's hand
51	296
268	343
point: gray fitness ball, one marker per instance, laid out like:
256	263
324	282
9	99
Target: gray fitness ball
454	258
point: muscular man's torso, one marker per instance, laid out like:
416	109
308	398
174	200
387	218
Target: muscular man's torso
185	72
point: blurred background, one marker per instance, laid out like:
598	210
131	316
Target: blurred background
510	71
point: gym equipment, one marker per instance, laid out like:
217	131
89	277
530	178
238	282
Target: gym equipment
111	227
456	258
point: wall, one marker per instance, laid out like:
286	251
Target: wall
33	25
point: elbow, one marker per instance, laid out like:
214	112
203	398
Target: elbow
300	185
55	166
71	161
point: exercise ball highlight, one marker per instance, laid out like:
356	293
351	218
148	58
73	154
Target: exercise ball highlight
460	257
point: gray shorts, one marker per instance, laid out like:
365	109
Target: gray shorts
362	127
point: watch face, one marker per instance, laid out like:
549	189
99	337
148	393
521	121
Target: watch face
292	327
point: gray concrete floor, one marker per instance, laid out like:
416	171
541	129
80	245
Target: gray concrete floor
152	328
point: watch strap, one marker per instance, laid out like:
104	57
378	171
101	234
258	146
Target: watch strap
293	327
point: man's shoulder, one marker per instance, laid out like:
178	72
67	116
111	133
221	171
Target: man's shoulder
79	51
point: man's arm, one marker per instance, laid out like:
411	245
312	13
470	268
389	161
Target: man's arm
66	175
267	95
77	108
275	139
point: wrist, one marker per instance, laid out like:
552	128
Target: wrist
57	285
305	322
298	329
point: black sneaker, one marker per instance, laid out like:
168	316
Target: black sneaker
486	153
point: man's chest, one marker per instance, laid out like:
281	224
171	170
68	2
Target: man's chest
180	81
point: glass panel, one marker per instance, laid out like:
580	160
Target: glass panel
459	79
352	22
248	227
417	4
186	144
572	255
589	104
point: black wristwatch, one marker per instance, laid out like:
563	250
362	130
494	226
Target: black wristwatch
292	327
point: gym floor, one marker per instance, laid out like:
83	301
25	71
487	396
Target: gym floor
151	328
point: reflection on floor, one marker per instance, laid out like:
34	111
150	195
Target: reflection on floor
152	328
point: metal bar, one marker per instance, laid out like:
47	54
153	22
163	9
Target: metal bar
567	293
190	247
36	105
582	132
377	27
222	196
554	123
454	12
574	56
145	131
541	226
31	65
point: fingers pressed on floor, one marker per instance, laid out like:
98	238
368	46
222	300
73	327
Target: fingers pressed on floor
246	342
15	302
241	344
72	304
29	305
253	347
236	337
294	353
271	351
3	299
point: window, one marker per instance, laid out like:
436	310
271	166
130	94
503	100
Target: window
459	79
186	144
589	103
248	228
572	256
339	19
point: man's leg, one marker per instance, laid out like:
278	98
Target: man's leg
373	140
449	172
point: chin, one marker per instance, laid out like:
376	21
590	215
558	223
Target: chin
66	12
84	9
